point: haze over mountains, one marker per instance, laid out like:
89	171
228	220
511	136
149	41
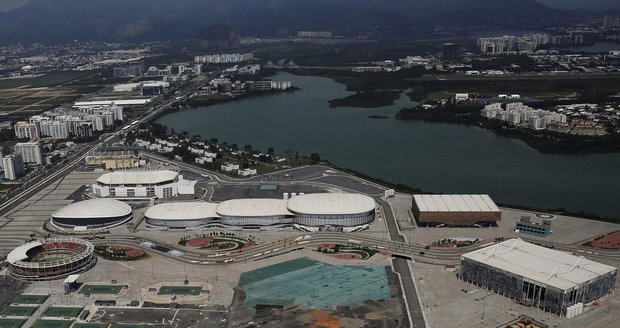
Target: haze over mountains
137	20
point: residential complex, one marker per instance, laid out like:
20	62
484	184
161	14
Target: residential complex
224	58
519	114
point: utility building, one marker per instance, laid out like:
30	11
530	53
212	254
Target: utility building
537	276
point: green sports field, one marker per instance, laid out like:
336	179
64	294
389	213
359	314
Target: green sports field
101	289
19	311
63	312
179	290
90	325
52	324
30	299
12	323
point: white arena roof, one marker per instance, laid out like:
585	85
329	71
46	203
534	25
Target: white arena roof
19	253
182	211
331	204
119	102
455	203
253	207
94	208
540	264
136	177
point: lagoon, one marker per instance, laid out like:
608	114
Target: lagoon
434	157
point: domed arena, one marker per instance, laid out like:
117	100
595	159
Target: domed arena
92	214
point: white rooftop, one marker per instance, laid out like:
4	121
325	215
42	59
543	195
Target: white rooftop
547	266
455	203
182	211
19	253
253	207
331	203
137	177
94	208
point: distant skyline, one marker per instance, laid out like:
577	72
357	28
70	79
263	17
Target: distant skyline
8	5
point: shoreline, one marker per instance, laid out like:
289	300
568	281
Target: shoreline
544	142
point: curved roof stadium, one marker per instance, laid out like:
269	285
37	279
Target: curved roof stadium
310	210
182	211
51	259
331	204
92	214
253	207
137	177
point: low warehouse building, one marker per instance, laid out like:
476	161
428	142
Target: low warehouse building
92	214
537	276
455	210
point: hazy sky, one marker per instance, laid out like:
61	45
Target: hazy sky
6	5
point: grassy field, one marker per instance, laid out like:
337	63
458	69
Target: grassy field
12	323
101	289
30	299
122	325
52	324
19	311
47	80
90	325
63	312
179	290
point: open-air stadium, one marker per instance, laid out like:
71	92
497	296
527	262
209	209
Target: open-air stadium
50	259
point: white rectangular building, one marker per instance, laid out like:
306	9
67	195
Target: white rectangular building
538	276
30	151
13	166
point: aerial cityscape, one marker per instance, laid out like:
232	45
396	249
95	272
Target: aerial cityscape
302	163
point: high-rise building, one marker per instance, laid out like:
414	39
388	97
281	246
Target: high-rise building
13	166
25	130
30	152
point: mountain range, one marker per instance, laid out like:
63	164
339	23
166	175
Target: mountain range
139	20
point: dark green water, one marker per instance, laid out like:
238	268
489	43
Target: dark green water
434	157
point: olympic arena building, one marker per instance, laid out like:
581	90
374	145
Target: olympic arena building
51	259
310	210
92	214
142	184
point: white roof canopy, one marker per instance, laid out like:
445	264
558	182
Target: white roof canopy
540	264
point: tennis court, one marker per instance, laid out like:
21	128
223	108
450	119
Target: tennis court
101	289
52	324
179	290
19	311
72	312
12	323
30	299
